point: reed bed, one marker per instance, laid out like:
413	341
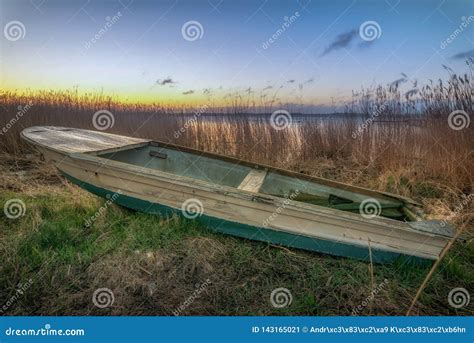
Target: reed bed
423	142
382	129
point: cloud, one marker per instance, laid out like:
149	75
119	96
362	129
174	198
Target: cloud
166	81
291	81
342	40
267	88
463	55
188	92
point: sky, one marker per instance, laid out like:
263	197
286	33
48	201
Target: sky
309	52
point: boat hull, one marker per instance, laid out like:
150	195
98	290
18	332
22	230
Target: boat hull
250	232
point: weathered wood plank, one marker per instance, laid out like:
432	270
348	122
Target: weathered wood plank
253	181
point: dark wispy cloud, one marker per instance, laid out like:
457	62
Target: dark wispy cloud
291	81
188	92
164	82
267	88
341	41
463	55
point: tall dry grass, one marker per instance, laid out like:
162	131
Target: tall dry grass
384	128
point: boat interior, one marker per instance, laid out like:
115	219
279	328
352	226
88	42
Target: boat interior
250	178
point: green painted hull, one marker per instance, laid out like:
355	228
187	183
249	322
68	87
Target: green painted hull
253	232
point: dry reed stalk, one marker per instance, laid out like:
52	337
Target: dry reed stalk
436	264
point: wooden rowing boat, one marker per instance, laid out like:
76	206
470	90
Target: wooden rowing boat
242	198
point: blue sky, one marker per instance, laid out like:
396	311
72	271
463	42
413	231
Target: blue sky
145	46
